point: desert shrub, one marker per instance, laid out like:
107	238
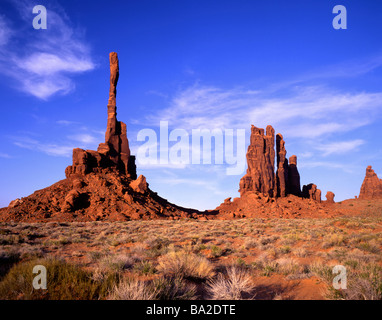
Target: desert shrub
322	271
144	267
250	243
288	266
132	289
368	247
117	262
157	246
267	240
216	251
7	260
285	249
235	285
333	240
268	268
64	282
301	252
163	288
169	288
364	282
185	265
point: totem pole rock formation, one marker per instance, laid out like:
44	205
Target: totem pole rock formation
371	187
99	185
115	151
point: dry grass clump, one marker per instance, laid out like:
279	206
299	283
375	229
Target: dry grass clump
117	262
169	288
65	281
236	285
288	266
132	290
185	265
163	288
364	281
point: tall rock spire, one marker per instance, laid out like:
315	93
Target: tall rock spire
282	167
115	151
116	143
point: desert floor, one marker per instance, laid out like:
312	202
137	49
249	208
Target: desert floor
193	259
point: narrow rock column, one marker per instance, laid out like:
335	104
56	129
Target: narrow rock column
282	167
116	144
294	186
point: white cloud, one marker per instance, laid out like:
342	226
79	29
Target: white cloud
308	112
328	165
339	147
5	155
43	65
51	149
66	122
84	138
5	31
55	148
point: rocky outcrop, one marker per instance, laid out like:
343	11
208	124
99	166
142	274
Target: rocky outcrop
310	191
293	183
260	176
330	197
371	187
140	185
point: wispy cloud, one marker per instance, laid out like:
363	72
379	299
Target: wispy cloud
303	111
44	64
66	122
51	149
5	155
328	165
339	147
348	69
84	138
62	148
5	31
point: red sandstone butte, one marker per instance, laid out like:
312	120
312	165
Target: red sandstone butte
371	187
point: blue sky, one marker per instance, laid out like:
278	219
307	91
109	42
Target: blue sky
197	64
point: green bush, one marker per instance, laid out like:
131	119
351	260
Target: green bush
64	282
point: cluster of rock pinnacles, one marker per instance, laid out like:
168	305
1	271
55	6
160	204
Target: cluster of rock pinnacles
261	176
110	173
